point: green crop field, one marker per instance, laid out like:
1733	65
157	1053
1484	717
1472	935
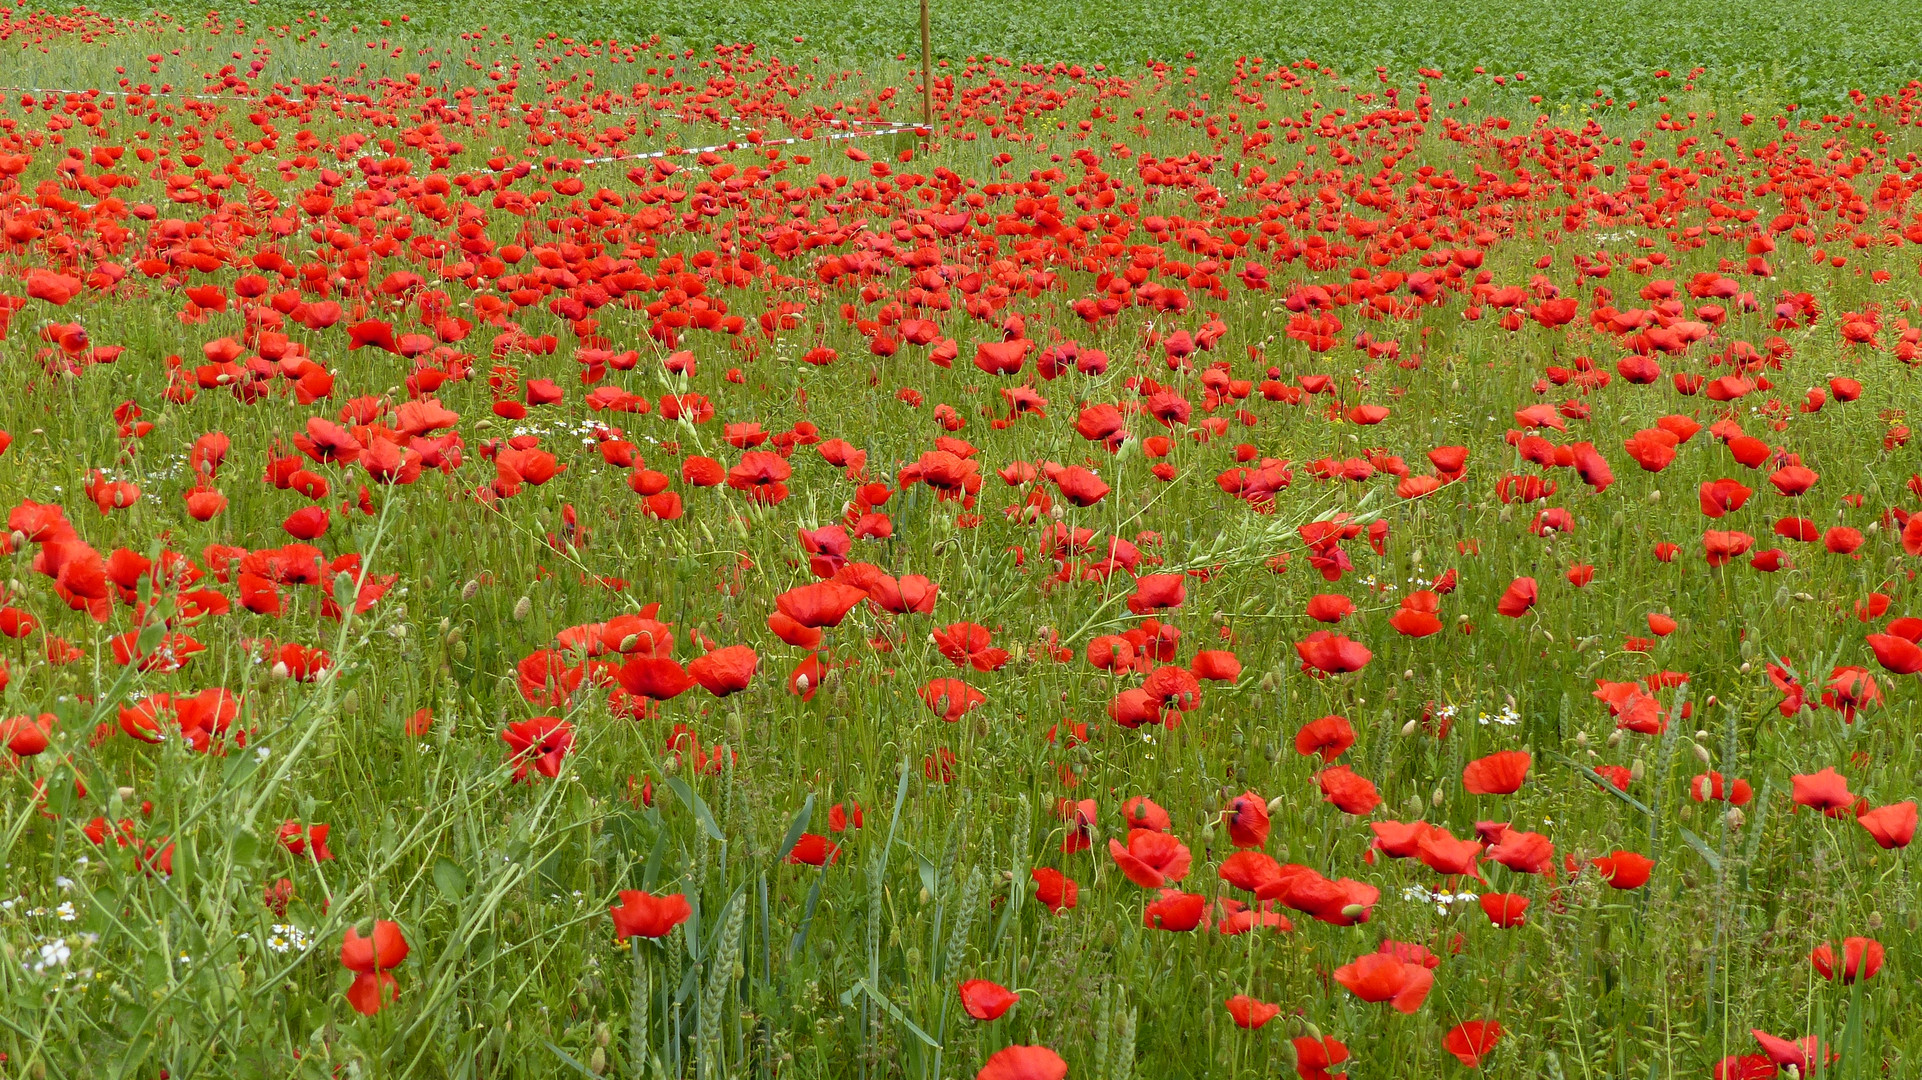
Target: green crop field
1376	542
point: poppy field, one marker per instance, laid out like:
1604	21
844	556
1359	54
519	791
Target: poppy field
551	556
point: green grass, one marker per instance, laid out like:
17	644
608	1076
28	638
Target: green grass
1811	53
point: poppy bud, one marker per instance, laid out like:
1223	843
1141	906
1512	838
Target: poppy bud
1702	753
1581	739
280	669
1615	738
1275	804
1356	911
1410	728
1635	770
1436	798
523	608
471	589
1734	817
1655	496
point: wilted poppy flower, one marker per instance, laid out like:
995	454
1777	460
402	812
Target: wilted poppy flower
986	1000
1861	959
1023	1063
642	914
1250	1013
1472	1041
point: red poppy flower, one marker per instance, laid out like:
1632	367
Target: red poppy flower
1624	869
1151	859
726	670
1827	791
966	644
813	849
1332	654
1712	785
1330	736
538	744
1177	911
820	603
1054	889
1350	793
1517	598
370	958
1314	1056
1023	1063
1861	959
1497	774
1472	1041
642	914
1803	1054
1376	977
986	1000
1249	1013
1506	910
1247	820
1892	826
951	699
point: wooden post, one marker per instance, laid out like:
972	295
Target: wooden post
927	74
